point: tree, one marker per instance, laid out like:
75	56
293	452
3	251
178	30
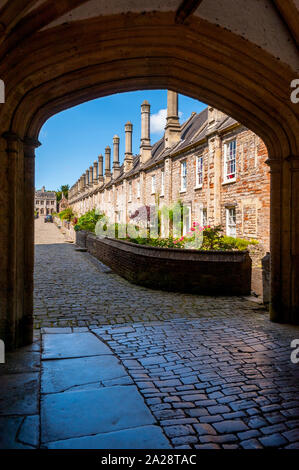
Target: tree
64	189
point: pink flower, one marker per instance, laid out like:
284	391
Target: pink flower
193	229
181	239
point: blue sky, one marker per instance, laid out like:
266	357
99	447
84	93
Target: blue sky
72	139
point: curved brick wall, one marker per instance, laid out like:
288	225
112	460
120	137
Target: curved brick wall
214	272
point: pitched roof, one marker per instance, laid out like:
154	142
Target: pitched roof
45	194
193	130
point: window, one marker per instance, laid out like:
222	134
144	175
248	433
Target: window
138	188
153	184
231	222
183	176
186	219
199	164
230	160
203	217
36	202
42	203
47	203
130	192
162	183
52	203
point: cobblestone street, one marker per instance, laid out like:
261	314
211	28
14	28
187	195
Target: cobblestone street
74	289
215	372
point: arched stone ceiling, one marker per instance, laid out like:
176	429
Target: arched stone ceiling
256	20
238	55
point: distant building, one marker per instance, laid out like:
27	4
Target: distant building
45	201
63	203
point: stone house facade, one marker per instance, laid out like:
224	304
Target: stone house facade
212	163
45	201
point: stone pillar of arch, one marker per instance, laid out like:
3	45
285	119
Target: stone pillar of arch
284	239
16	312
29	147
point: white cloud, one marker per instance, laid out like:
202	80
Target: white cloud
158	121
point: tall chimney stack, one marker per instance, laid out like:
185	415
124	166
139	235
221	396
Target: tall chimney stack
145	147
128	162
91	175
87	181
100	177
172	129
116	166
107	164
95	173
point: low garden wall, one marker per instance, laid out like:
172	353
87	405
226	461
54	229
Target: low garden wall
193	271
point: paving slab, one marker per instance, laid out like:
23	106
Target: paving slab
60	375
20	361
145	437
29	432
19	394
9	427
72	345
78	414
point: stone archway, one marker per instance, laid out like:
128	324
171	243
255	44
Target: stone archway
85	58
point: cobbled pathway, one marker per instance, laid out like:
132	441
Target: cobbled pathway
214	371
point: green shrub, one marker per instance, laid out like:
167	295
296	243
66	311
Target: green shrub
230	243
66	214
88	221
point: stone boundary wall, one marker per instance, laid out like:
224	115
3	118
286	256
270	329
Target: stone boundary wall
213	272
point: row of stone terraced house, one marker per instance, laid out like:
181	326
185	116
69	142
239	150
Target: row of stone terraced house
212	163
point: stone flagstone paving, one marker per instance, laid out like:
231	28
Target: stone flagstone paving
123	366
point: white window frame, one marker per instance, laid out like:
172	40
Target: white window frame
153	184
230	177
199	174
231	222
130	192
162	182
138	188
183	176
186	217
203	218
